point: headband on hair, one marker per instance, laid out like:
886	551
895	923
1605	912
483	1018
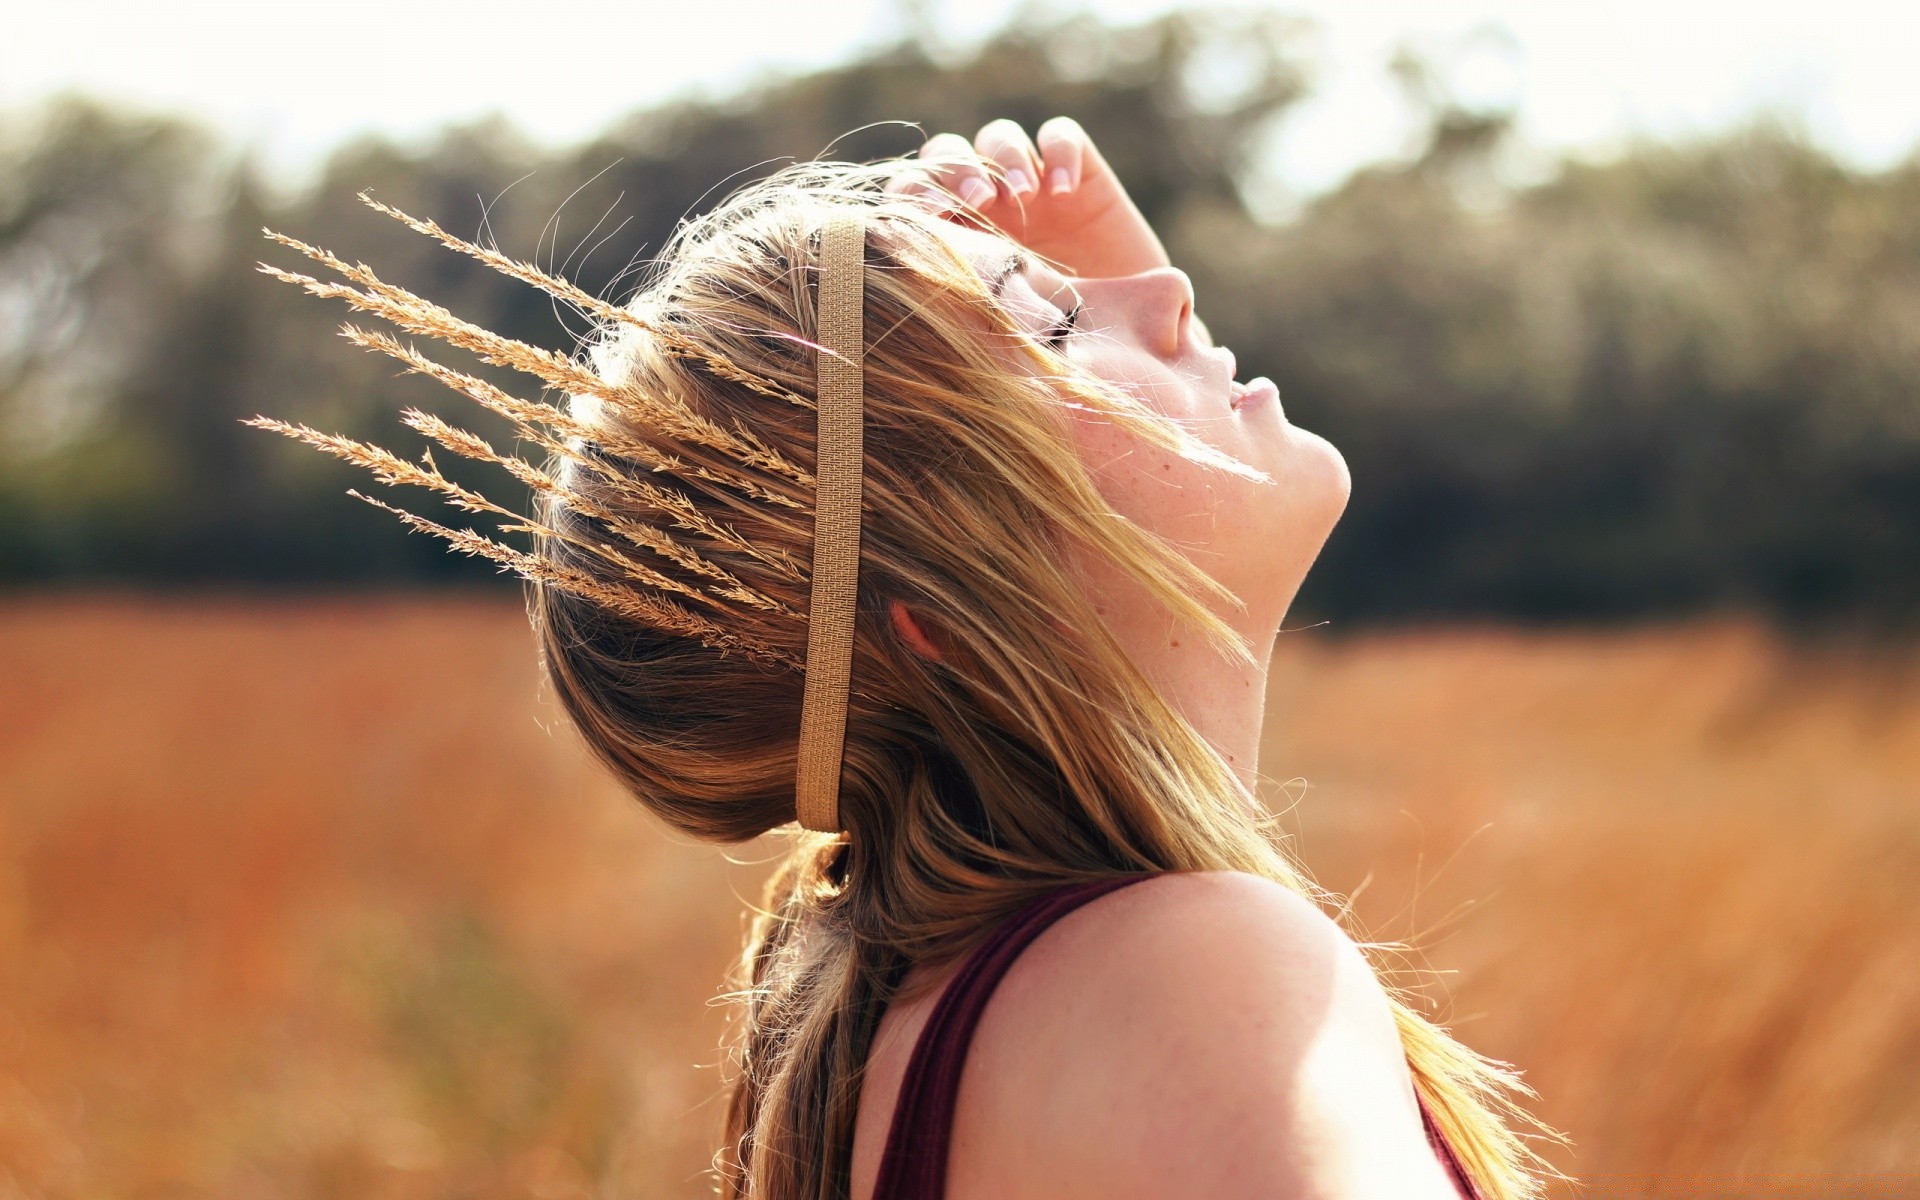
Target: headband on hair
836	523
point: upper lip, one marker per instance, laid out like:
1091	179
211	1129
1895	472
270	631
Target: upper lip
1233	367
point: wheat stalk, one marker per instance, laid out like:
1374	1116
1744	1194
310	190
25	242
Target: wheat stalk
391	469
410	312
385	465
647	610
528	416
471	445
676	343
571	441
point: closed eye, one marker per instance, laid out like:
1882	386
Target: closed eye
1062	329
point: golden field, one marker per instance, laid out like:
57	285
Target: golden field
320	899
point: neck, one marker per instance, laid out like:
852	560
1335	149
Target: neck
1222	698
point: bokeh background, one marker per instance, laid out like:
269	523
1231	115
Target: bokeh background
1605	697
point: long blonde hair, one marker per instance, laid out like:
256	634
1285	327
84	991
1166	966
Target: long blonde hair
1034	754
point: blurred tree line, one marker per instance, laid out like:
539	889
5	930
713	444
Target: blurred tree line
1680	378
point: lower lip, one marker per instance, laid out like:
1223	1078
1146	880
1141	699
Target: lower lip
1254	393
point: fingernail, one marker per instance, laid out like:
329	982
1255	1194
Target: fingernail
1019	182
976	192
1060	180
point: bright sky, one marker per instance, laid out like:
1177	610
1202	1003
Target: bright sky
293	77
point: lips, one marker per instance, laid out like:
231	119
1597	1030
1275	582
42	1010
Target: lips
1256	391
1252	392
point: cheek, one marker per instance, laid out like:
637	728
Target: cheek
1192	505
1148	380
1257	539
1141	480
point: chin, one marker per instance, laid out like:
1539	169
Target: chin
1318	473
1315	483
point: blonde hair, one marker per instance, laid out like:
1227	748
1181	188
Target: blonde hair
1032	754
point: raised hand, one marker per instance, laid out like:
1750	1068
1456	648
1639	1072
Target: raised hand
1053	193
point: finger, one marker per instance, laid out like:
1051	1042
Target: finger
907	181
1063	144
912	181
1005	144
952	163
915	184
946	146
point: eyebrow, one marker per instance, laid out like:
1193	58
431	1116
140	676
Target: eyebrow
1016	261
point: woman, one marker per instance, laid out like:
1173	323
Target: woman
1043	859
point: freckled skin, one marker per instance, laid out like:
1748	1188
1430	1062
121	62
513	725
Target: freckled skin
1258	539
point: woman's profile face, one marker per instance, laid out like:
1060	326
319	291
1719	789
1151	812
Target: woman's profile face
1138	331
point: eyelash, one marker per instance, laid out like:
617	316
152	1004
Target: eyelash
1058	334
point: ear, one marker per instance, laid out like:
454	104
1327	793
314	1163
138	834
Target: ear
908	628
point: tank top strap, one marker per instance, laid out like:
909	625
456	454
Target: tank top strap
913	1166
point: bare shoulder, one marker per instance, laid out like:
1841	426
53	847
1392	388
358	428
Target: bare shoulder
1199	1033
1258	959
1194	913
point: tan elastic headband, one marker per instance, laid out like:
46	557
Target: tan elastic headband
836	522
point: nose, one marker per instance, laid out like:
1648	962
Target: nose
1161	301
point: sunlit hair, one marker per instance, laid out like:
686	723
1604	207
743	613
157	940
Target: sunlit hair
1032	754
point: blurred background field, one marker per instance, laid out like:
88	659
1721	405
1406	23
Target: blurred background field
1606	692
318	899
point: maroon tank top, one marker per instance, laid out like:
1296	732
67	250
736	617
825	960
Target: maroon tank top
914	1163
